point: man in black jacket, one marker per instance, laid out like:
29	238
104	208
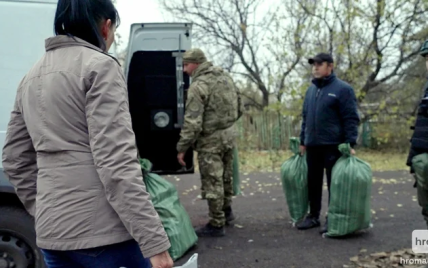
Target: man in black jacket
419	141
330	117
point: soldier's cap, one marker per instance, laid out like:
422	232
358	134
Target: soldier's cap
320	58
424	49
194	55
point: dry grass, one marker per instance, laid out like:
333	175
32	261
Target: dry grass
271	161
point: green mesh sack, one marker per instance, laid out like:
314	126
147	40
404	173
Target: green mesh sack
174	217
350	195
294	173
236	179
420	165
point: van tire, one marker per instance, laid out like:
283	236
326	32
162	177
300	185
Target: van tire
18	239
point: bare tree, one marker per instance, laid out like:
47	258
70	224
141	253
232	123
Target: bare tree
374	44
240	38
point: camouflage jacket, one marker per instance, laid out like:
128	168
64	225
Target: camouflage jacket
212	108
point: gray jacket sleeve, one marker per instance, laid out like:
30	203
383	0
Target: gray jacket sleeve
113	146
19	158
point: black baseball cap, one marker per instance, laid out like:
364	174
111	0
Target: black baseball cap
320	58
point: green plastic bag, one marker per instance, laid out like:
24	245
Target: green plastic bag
236	179
351	183
294	177
174	217
420	165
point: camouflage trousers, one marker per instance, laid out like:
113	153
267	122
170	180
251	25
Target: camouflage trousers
216	183
423	201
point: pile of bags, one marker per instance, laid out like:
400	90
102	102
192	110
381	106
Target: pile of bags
350	209
174	217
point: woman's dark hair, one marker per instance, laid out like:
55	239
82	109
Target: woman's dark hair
81	18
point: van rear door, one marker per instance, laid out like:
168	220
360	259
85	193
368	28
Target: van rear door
157	90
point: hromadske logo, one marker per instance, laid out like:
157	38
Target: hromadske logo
420	241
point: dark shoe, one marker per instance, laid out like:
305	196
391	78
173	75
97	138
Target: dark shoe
308	222
324	229
209	230
229	215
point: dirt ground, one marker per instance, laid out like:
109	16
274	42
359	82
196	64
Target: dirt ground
263	236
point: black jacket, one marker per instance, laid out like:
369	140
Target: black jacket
330	115
419	140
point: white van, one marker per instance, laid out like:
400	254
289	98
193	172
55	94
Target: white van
24	26
157	91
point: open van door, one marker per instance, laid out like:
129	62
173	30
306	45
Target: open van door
157	90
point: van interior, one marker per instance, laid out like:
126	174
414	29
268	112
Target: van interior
152	89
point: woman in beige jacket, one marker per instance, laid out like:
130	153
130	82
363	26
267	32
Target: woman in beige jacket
70	150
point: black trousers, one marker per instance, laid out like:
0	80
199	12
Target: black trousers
319	158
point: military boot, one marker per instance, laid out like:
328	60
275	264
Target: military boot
210	230
229	215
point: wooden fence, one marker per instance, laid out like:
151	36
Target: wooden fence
271	131
266	131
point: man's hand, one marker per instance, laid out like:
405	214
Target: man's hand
352	152
302	149
180	158
162	260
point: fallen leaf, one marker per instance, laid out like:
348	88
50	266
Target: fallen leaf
399	205
354	259
239	226
392	215
273	199
177	179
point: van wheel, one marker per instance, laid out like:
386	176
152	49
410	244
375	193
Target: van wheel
18	240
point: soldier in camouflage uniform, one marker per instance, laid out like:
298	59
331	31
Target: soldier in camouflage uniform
211	112
419	141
